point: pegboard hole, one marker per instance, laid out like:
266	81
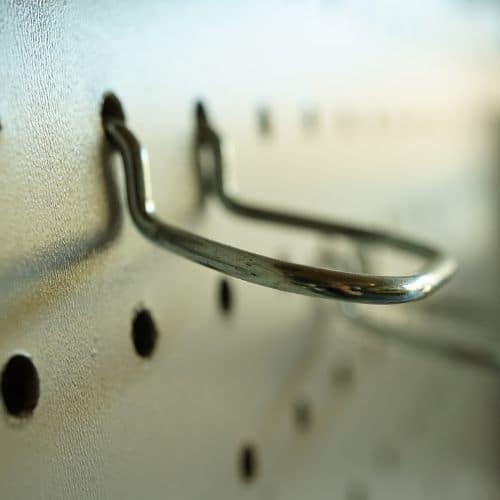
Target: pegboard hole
302	415
248	463
343	375
310	119
144	334
201	114
264	121
357	491
20	386
225	296
111	108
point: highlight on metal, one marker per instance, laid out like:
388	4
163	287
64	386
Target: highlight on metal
252	267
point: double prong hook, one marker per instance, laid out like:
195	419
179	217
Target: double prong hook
255	268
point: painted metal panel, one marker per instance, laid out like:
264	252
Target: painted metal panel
376	114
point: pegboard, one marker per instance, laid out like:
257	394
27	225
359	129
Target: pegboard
161	378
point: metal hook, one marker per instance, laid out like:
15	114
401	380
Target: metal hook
254	268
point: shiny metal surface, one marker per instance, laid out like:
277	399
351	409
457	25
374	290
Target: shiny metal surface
254	268
403	95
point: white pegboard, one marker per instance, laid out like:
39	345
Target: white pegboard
399	136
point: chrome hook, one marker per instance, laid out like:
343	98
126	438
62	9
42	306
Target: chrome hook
254	268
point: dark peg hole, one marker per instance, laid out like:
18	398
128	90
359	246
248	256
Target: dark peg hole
302	414
225	296
20	386
357	491
201	114
343	375
111	108
144	334
310	119
264	121
248	463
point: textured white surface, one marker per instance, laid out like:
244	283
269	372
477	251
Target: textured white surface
73	269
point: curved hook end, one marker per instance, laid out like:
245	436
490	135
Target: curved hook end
201	114
111	109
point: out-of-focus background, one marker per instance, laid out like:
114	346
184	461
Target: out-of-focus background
378	113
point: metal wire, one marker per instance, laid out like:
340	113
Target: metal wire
259	269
